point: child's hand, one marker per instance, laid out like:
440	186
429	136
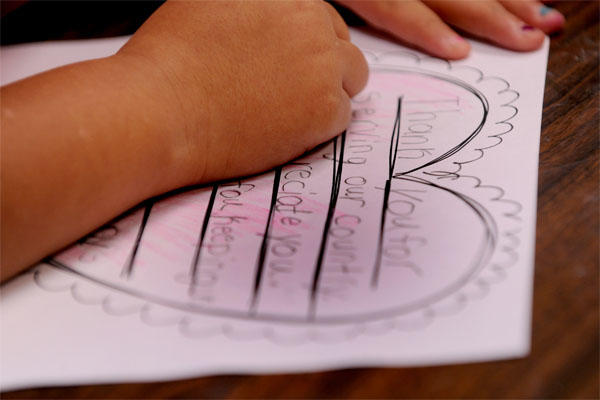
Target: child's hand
258	83
514	24
205	90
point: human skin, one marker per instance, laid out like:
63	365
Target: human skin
203	91
514	24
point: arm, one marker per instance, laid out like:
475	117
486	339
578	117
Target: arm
197	94
78	146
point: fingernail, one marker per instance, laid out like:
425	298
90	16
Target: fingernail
528	28
545	10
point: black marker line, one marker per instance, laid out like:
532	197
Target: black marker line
378	255
262	256
395	139
196	259
480	96
335	189
489	242
128	268
386	193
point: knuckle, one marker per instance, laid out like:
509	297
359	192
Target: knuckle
328	107
308	6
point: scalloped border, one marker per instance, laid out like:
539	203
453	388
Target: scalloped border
417	319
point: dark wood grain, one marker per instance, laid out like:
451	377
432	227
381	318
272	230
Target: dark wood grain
565	354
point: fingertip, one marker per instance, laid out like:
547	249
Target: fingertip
527	37
455	47
551	20
339	25
366	72
356	68
343	118
518	35
449	46
536	14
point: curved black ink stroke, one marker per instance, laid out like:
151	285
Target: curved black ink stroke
128	268
401	175
264	245
497	136
196	260
480	96
394	148
487	245
338	163
386	193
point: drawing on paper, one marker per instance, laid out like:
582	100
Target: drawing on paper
385	227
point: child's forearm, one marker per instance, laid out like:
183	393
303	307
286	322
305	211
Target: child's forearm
203	91
79	145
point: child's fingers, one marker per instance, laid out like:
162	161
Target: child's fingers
413	22
340	27
355	70
490	20
536	14
342	116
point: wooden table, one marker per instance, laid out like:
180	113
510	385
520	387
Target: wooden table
565	355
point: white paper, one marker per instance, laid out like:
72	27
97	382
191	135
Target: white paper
310	267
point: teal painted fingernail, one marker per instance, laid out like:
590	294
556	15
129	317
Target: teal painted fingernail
545	10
